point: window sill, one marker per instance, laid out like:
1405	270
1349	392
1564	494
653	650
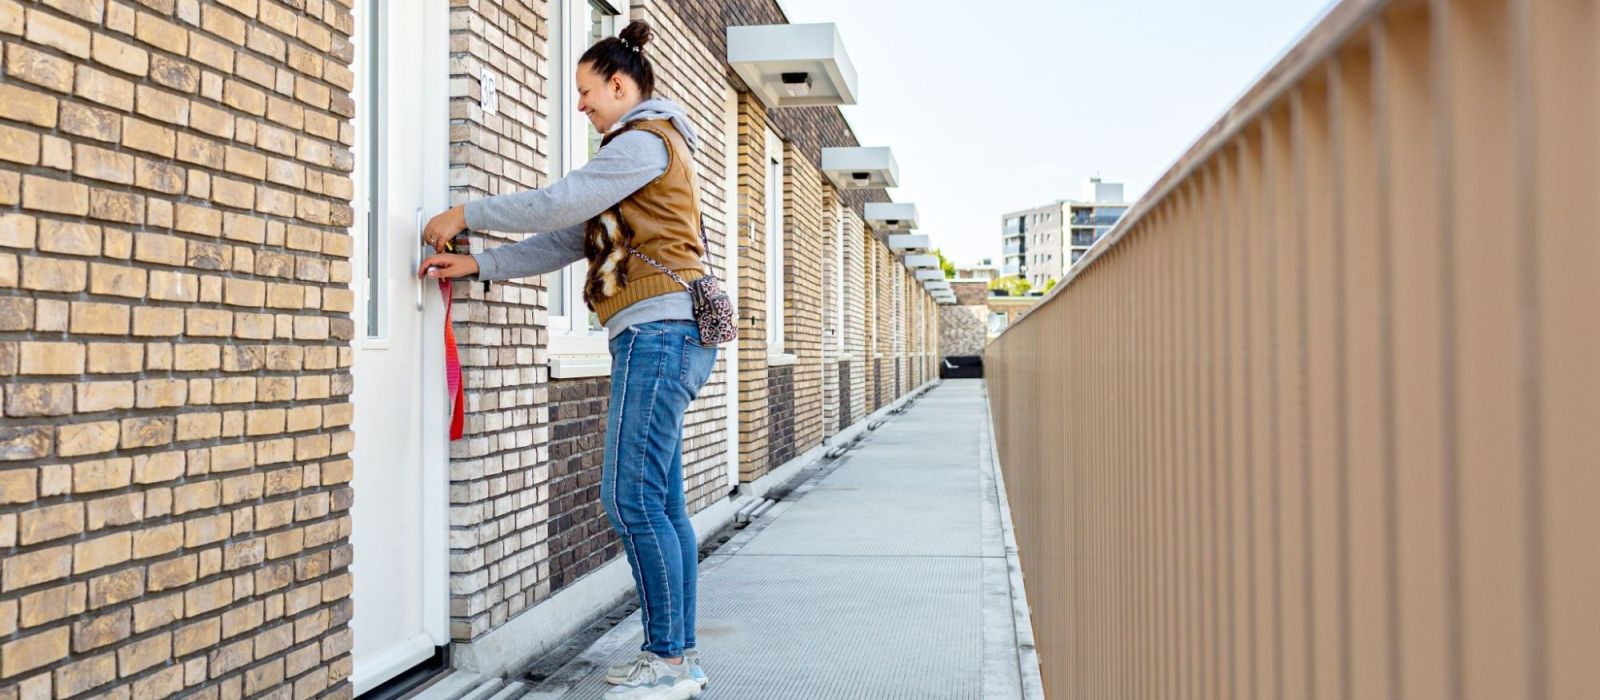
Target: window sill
780	360
570	343
579	355
579	366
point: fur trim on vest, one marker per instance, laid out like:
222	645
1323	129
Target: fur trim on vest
606	241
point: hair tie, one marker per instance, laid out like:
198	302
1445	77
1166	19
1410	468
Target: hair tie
627	45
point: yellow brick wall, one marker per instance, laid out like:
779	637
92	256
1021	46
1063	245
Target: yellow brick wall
174	329
902	325
831	321
802	299
857	291
883	324
870	315
752	227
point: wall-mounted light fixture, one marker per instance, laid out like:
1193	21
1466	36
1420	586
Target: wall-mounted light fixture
797	84
860	168
793	65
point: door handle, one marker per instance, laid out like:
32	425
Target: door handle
417	246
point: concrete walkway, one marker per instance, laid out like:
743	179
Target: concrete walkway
884	575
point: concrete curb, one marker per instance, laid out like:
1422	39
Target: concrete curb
1027	652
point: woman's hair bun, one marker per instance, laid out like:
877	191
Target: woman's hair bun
624	54
638	33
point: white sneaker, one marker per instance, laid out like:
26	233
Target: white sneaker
692	657
620	672
655	679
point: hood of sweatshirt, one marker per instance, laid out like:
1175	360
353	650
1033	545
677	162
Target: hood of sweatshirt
662	108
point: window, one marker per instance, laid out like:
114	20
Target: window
578	25
774	244
375	164
838	286
997	322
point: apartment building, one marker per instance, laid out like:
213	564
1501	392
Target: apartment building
1041	243
1092	216
1031	243
225	466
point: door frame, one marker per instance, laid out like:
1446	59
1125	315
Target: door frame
433	148
730	228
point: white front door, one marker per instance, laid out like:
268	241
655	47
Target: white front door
398	530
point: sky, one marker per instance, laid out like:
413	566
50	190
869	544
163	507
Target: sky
1003	105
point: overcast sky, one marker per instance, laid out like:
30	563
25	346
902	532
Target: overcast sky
992	106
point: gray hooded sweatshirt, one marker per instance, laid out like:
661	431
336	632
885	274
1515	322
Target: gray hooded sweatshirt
623	166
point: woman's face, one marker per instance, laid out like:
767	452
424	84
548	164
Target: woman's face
603	100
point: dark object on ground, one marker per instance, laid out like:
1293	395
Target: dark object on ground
961	367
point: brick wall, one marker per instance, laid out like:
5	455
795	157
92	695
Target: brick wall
580	537
902	344
856	290
914	325
884	324
963	330
971	293
831	321
500	508
781	408
174	328
869	319
847	399
752	228
802	299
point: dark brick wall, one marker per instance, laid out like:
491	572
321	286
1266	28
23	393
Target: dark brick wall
580	537
780	414
971	293
809	128
877	386
845	419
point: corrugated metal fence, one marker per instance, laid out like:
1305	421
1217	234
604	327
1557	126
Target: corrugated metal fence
1321	417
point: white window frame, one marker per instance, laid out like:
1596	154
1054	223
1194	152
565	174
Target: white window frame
373	314
775	238
838	283
577	343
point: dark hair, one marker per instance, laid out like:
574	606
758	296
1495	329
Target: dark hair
625	54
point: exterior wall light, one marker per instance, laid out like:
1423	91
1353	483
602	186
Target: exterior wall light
797	84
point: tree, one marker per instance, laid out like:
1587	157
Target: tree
1050	284
948	267
1011	285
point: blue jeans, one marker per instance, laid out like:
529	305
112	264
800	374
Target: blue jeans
656	370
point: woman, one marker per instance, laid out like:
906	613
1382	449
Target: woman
638	193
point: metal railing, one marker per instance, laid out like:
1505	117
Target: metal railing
1301	425
1096	220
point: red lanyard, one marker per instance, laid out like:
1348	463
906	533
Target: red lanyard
452	369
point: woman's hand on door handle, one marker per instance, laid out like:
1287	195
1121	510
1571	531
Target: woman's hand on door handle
444	226
448	266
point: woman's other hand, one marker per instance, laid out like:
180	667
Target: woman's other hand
445	226
448	266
